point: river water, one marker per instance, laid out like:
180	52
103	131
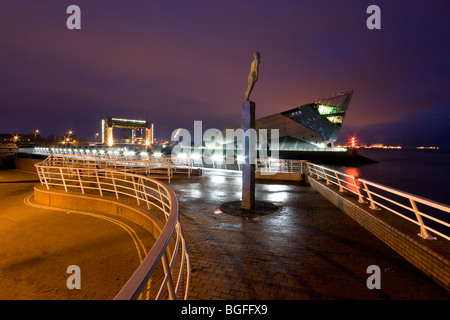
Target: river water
425	173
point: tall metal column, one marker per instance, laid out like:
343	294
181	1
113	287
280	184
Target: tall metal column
248	172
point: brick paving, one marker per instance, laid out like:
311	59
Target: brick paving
37	245
308	249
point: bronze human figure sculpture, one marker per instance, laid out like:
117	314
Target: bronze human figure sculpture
253	76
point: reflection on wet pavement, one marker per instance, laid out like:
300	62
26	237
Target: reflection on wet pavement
307	249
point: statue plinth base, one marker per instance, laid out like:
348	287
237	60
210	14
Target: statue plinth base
248	171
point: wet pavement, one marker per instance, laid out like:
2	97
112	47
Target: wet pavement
38	244
307	249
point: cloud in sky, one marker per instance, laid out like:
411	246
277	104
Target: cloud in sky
174	62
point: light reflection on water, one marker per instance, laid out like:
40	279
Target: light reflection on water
354	172
424	173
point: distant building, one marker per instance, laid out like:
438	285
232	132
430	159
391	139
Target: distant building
140	131
315	125
17	139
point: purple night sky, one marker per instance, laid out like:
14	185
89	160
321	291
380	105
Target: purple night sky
176	61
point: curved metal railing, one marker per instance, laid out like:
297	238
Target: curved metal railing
408	206
168	260
160	168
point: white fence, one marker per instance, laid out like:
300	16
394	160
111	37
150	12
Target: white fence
160	168
429	215
169	250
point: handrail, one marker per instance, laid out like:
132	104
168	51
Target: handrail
150	165
271	165
375	194
163	168
381	196
153	193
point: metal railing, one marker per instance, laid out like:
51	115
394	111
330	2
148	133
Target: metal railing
280	165
168	259
164	167
429	215
403	204
161	168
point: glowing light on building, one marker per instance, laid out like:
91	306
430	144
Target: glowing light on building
428	148
352	142
109	134
136	126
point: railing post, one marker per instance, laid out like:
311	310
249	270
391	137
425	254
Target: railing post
45	179
162	202
135	190
170	287
360	197
326	177
339	182
317	172
142	184
308	165
423	231
114	184
62	178
372	204
79	179
98	182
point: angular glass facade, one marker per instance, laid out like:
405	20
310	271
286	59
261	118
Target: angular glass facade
323	116
315	125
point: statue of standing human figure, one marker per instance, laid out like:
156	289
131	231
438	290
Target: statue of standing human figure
253	76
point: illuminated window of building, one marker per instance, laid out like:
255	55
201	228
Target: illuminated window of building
330	110
335	119
324	110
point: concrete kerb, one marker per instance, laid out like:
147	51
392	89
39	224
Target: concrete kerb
431	257
106	205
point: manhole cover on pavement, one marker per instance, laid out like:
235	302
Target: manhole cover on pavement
262	208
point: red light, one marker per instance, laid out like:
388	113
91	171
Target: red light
352	141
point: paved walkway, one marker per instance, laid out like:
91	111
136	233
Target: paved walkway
308	249
37	245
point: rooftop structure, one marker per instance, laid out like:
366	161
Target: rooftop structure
315	125
137	128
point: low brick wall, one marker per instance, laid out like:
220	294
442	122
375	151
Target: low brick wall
26	164
432	257
286	176
108	205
